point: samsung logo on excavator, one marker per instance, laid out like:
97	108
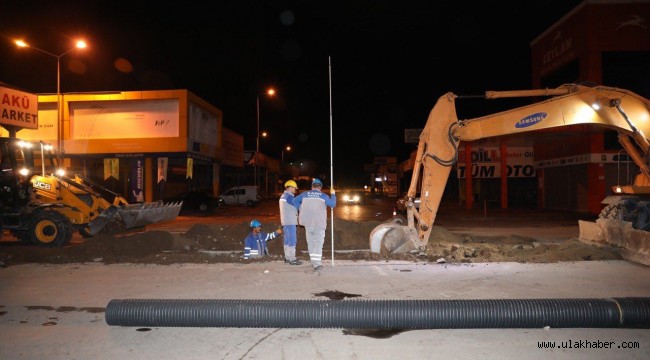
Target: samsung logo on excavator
530	120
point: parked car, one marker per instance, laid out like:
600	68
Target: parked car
241	195
201	201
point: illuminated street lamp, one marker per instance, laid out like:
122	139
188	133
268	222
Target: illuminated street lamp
80	44
270	92
286	148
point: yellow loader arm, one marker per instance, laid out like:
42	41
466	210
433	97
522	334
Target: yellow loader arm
618	109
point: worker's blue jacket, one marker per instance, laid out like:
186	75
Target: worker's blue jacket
312	206
255	244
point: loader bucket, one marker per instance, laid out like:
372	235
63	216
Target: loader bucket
139	215
393	237
102	220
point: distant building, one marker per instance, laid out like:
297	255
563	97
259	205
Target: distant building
146	145
602	42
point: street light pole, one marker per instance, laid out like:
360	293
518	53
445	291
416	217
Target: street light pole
59	126
257	148
80	44
269	92
287	148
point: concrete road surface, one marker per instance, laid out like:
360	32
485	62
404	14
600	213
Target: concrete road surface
57	311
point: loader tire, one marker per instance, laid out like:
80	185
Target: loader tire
50	228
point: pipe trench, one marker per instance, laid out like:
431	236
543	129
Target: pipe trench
631	312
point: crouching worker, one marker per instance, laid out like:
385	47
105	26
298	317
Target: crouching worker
255	242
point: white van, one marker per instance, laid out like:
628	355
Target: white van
241	195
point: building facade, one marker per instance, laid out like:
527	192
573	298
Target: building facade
601	42
146	145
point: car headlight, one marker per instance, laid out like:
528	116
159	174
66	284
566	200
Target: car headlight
346	197
356	198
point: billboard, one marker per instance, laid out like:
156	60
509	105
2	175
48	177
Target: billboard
486	163
125	119
18	108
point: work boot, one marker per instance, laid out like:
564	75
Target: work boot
295	262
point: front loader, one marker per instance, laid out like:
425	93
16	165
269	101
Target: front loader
45	207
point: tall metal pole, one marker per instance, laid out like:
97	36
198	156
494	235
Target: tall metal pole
329	60
80	44
59	132
269	92
285	148
257	148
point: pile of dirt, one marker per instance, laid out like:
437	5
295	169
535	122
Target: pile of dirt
511	248
217	243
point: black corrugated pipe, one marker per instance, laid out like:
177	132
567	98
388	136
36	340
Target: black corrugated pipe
382	314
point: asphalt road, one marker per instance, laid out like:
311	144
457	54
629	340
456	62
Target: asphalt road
544	225
379	209
57	311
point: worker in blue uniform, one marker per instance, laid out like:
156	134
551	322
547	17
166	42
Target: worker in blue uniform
289	220
255	243
312	214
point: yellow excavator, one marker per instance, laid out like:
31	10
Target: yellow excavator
570	104
42	205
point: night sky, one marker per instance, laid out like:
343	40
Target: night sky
390	61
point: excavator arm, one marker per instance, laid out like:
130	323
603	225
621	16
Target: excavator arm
617	109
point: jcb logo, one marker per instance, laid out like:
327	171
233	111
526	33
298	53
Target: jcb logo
42	185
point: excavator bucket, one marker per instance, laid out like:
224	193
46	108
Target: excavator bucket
139	215
393	237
